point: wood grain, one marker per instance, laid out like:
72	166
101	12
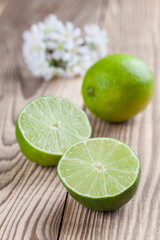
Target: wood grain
33	202
3	6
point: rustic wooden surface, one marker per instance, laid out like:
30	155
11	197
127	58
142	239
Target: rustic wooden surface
33	202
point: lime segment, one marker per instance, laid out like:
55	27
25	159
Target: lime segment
101	173
47	126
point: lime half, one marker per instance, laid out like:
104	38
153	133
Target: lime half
47	126
101	173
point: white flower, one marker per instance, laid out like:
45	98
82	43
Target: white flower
96	39
52	48
71	32
53	26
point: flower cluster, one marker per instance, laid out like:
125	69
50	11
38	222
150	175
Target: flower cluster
52	48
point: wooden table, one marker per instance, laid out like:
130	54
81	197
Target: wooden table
33	202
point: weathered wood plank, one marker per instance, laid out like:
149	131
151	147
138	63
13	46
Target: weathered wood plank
133	28
32	199
3	6
33	202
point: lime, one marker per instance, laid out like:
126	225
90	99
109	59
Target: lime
118	87
100	173
47	126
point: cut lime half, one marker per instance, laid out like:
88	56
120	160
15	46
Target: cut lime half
47	126
101	173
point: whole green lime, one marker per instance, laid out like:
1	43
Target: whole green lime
118	87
